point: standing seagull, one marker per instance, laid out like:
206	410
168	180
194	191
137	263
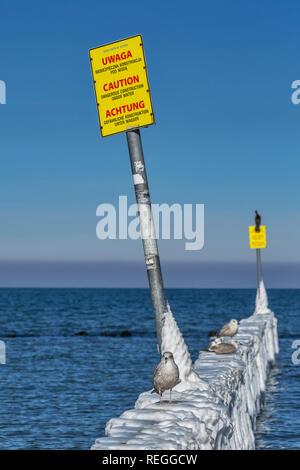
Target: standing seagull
230	329
165	375
257	222
224	348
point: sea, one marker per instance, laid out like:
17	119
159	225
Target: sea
77	357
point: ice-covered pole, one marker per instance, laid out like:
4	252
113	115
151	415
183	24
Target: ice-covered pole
257	221
147	230
258	265
261	302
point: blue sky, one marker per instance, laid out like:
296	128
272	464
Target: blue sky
226	133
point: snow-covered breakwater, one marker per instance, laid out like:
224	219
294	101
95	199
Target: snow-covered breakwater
215	405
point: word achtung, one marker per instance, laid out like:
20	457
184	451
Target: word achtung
126	108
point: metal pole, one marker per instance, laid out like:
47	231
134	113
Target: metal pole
147	229
258	263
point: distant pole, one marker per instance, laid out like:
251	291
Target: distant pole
257	221
258	263
142	195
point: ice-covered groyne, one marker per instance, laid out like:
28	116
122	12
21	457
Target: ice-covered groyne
215	405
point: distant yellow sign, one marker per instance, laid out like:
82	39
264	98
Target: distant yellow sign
121	86
257	239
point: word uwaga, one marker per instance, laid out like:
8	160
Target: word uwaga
2	92
182	217
151	459
116	58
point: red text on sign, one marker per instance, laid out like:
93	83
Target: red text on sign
121	83
116	57
126	108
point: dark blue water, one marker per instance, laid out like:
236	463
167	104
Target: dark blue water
58	390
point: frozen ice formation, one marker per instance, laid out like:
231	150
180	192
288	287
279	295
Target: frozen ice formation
172	340
215	405
261	302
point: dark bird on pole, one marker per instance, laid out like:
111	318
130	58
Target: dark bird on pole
257	222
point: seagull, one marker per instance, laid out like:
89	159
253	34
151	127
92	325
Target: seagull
165	375
224	348
257	222
230	329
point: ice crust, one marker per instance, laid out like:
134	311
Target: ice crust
215	405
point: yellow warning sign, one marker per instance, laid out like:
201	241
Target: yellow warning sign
257	239
121	86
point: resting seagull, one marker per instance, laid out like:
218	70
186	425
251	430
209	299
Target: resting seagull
165	375
230	329
224	348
